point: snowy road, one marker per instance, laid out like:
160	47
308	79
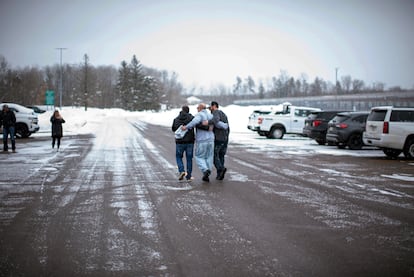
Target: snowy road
110	206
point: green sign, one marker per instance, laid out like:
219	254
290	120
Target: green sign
50	97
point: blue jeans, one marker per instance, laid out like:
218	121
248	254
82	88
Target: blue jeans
220	149
188	148
6	132
204	155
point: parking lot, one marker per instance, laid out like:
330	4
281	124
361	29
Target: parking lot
110	204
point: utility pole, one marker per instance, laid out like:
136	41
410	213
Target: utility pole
336	75
61	77
336	80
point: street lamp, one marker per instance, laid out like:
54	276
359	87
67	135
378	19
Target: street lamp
61	76
336	75
336	80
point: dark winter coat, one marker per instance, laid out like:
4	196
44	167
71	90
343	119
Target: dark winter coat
220	134
57	130
7	119
183	119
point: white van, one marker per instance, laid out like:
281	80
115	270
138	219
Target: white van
27	121
391	129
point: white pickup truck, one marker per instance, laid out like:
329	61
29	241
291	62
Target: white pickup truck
290	121
27	121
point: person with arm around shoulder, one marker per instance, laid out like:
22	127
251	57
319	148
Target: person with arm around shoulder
204	139
184	144
221	138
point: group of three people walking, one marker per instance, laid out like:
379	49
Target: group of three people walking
210	134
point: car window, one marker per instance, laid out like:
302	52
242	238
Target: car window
302	113
327	115
377	115
360	118
339	118
306	112
313	115
402	116
261	112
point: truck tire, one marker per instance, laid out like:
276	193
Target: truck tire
276	132
392	153
22	131
355	141
409	149
321	141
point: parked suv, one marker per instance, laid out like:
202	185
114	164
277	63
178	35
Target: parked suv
316	125
26	120
346	129
391	129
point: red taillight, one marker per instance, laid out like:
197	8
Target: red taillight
260	120
342	125
316	123
385	127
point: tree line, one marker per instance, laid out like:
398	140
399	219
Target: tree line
136	87
283	85
287	86
132	87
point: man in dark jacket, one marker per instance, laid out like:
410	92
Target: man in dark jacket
185	144
221	139
8	121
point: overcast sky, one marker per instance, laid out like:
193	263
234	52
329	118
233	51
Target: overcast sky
207	42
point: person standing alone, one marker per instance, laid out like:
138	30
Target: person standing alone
8	121
221	139
184	144
57	130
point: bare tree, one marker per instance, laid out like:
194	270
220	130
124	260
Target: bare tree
85	80
346	83
250	84
237	86
357	86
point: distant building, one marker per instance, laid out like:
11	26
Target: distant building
192	100
350	102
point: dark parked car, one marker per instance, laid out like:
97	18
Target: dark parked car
316	125
346	129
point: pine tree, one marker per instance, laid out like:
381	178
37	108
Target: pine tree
137	80
151	92
123	86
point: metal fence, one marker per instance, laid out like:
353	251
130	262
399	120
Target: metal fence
354	102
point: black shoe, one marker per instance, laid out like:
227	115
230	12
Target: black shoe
218	174
222	173
205	176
